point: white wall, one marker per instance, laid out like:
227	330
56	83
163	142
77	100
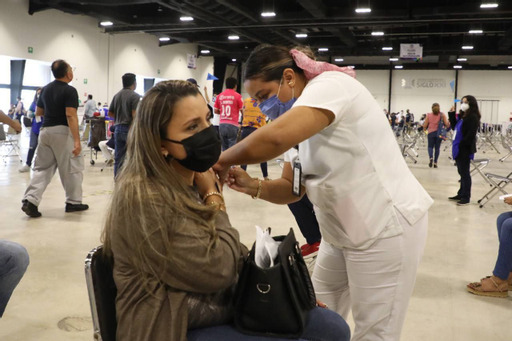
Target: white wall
377	81
98	57
417	90
489	85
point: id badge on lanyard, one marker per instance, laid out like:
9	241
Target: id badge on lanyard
297	176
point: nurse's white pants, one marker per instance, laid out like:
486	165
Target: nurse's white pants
376	283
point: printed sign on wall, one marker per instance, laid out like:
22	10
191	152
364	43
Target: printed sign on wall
411	51
191	61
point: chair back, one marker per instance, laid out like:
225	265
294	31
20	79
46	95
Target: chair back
102	294
505	143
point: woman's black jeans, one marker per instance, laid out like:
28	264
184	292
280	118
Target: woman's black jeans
463	163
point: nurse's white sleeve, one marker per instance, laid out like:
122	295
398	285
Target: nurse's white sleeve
328	91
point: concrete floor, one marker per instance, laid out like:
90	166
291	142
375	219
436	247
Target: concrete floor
51	301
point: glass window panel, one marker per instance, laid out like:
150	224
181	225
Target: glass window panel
140	84
5	98
27	96
37	73
5	70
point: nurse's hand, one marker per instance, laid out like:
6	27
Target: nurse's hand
221	170
240	181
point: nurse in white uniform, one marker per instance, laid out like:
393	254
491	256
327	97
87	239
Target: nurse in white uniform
371	209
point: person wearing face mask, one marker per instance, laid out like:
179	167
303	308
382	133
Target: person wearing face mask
464	146
37	123
176	255
372	212
431	124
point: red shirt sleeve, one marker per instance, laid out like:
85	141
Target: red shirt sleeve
216	105
240	102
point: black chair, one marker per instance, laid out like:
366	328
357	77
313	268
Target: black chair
27	122
102	294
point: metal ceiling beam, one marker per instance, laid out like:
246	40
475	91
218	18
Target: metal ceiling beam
116	3
314	24
240	9
187	7
319	11
506	42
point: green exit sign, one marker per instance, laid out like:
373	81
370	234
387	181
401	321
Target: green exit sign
30	49
85	80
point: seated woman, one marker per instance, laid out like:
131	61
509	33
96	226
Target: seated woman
176	256
500	282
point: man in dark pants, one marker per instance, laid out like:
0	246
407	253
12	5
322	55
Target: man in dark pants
305	217
122	109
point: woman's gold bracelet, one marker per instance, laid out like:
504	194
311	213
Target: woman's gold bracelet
258	192
213	193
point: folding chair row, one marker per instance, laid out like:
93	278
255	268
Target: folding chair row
478	165
9	140
498	183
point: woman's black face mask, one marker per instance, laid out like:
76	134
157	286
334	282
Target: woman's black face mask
203	150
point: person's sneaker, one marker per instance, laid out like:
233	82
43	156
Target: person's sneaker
462	202
23	169
309	250
435	165
456	198
76	207
430	163
30	209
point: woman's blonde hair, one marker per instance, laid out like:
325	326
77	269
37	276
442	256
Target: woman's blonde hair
150	197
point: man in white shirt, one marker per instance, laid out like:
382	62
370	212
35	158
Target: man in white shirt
90	107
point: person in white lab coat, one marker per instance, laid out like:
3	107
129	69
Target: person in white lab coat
373	213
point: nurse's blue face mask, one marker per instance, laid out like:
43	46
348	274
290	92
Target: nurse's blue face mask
273	107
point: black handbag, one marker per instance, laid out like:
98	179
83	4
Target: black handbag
275	301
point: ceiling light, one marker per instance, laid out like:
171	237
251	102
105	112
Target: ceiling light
268	14
233	60
387	48
393	59
233	37
377	33
323	49
164	38
301	35
186	19
363	10
476	31
510	67
338	59
457	66
462	59
205	51
467	47
399	66
489	5
106	23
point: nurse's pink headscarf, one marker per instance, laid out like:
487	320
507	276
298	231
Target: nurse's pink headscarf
312	68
